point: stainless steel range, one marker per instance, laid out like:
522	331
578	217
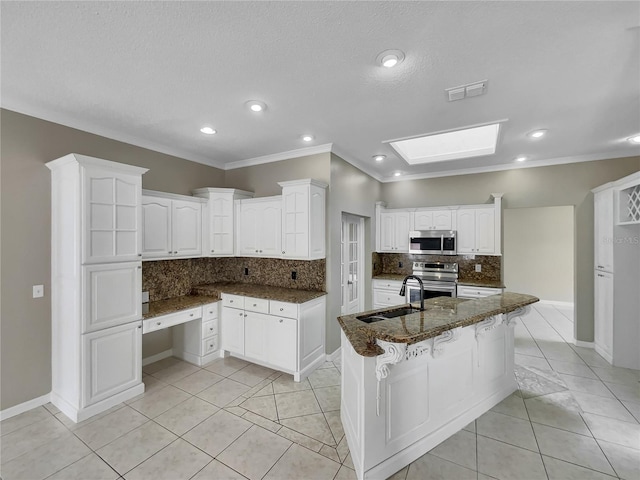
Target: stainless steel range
438	279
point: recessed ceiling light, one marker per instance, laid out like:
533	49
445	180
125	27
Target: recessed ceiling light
379	158
390	58
635	139
537	133
208	130
453	145
397	174
521	158
307	137
256	106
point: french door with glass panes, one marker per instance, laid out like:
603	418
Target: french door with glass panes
352	264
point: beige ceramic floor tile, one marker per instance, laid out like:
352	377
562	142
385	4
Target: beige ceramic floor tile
625	392
178	461
512	405
335	424
571	447
261	421
314	426
633	408
459	448
160	365
347	474
198	381
226	366
296	404
327	377
504	461
286	384
101	432
135	447
45	459
263	406
430	467
223	393
217	471
90	467
573	369
300	463
611	374
30	437
531	361
471	427
507	429
328	398
208	436
551	411
559	470
255	452
160	401
176	372
51	408
624	460
24	419
72	426
186	415
588	385
608	407
300	439
613	430
251	375
330	452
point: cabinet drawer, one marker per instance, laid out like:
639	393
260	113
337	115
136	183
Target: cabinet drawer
283	309
209	328
234	301
210	345
476	292
259	305
388	297
165	321
209	311
394	285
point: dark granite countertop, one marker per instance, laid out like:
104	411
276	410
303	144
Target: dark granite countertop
281	294
389	276
440	314
172	305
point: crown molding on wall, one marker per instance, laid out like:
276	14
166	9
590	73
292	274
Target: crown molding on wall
276	157
335	150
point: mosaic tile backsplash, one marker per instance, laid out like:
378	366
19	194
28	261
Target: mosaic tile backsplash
173	278
390	263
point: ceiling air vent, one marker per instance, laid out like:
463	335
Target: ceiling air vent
469	90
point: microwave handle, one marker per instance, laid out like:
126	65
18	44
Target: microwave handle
442	244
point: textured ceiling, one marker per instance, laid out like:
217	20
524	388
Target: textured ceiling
152	73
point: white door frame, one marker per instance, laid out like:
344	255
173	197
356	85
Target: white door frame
360	274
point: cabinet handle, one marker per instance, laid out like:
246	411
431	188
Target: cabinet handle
211	329
255	305
281	309
211	345
169	252
175	251
241	314
245	314
283	252
600	275
140	267
260	251
230	301
158	323
256	251
191	314
211	312
139	254
212	251
139	326
600	266
280	320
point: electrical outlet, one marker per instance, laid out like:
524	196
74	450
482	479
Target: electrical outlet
478	267
399	264
38	291
246	270
294	275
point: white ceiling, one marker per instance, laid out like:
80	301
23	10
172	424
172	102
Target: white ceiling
153	73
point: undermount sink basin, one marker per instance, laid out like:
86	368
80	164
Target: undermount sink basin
378	317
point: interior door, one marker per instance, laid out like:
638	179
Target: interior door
352	264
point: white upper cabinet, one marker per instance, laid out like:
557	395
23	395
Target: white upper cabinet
432	220
393	232
603	202
111	203
171	225
476	229
303	219
259	227
219	219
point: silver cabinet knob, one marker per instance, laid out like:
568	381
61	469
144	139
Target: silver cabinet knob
245	314
158	323
241	314
255	305
191	314
212	251
139	254
280	320
230	301
282	309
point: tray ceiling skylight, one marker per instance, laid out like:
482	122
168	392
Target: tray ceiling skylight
469	142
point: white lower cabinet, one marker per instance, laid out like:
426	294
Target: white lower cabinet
112	360
386	293
285	336
197	341
468	291
603	314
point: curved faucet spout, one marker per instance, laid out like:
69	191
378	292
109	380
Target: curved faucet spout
403	289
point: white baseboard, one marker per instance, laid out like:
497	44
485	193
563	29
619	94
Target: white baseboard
24	407
580	343
335	355
556	303
158	356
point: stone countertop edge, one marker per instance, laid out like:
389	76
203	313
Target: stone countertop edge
176	304
472	283
441	314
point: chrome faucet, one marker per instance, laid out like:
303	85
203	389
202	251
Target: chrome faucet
404	288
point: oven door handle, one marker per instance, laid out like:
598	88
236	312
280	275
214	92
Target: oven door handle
442	244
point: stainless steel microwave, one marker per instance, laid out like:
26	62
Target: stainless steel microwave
433	242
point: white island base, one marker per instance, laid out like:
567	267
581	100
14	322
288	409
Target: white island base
399	405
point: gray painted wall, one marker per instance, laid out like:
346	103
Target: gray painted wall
559	185
27	144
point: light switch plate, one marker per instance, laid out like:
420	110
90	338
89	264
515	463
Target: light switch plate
38	291
145	297
478	267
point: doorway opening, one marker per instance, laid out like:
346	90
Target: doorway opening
352	264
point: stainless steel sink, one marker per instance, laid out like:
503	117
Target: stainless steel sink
378	317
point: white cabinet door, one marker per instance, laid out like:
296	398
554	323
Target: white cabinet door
603	314
221	225
603	223
186	224
282	341
111	204
270	233
442	219
112	361
387	232
112	295
295	222
256	327
401	231
466	236
423	220
232	330
156	227
485	230
248	229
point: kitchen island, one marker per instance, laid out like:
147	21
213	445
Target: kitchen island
412	380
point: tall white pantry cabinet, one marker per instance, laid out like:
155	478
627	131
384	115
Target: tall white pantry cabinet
96	266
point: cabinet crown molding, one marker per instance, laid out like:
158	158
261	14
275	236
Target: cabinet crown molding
174	196
304	181
94	162
233	191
